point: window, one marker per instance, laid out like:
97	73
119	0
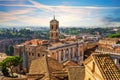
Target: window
32	54
52	53
52	27
29	53
38	55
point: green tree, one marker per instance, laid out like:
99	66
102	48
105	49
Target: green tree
9	50
5	71
9	63
116	35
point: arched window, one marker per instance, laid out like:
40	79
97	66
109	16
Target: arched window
32	54
89	79
29	53
52	53
38	55
51	27
62	55
67	53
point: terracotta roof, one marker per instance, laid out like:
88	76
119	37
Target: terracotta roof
106	66
44	66
76	73
70	63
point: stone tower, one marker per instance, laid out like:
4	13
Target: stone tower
54	30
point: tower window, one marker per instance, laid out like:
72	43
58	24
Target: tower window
52	27
32	54
38	55
89	79
52	53
29	53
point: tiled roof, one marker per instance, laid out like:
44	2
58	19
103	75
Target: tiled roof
76	73
44	66
70	63
106	66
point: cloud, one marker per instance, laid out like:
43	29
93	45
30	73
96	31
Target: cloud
41	6
15	5
20	12
112	19
7	0
40	14
13	15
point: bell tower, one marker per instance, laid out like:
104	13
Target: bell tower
54	30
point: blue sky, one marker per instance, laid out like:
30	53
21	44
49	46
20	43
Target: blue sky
89	13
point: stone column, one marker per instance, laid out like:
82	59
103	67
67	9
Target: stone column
64	56
79	53
69	55
73	53
59	56
76	53
116	61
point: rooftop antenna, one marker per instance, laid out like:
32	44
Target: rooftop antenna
54	15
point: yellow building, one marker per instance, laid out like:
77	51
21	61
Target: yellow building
100	67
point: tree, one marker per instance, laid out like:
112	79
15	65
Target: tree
9	50
116	35
9	63
5	71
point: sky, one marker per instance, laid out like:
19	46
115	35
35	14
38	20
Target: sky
69	13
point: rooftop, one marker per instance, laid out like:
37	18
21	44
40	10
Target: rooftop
106	66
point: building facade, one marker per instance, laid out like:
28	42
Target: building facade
100	66
110	46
